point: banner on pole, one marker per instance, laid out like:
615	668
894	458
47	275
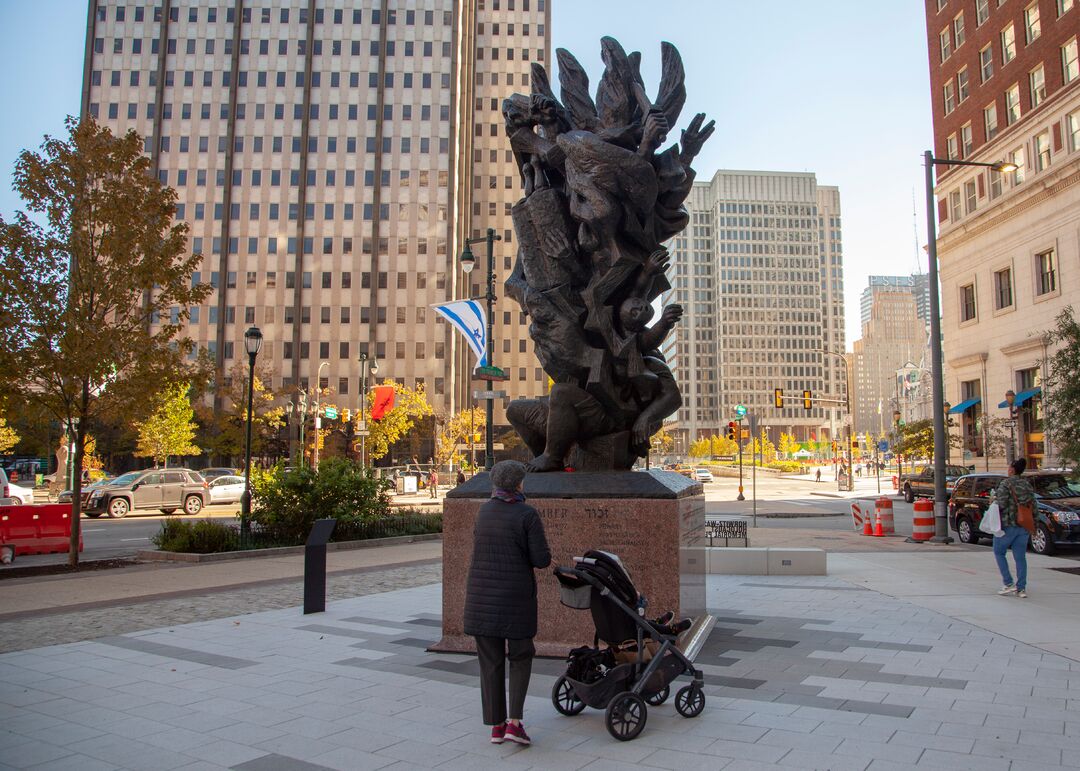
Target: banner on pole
468	318
382	401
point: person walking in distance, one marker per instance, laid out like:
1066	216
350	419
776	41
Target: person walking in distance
433	482
500	598
1013	492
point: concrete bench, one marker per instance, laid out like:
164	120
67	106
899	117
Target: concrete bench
766	561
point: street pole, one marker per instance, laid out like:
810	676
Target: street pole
489	446
318	417
252	342
363	410
739	440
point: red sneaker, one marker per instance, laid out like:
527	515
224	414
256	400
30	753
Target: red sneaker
498	733
515	732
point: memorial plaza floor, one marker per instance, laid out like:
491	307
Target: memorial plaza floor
894	660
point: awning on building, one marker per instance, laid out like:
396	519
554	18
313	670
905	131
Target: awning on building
1023	396
964	406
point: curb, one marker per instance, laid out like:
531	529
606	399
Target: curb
281	551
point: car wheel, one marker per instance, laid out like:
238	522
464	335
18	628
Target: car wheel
1042	542
909	494
118	508
167	511
16	501
193	504
966	531
92	514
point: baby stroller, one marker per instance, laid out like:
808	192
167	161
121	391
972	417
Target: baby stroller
641	659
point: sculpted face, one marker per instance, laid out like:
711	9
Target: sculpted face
634	314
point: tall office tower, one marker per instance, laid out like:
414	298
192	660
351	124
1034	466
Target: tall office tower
893	336
1005	86
759	272
918	285
330	158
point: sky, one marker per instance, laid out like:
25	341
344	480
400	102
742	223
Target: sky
835	87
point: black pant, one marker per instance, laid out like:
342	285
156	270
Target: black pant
493	653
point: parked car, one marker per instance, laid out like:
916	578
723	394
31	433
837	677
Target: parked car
226	489
1057	515
702	475
12	494
922	482
87	489
210	474
164	489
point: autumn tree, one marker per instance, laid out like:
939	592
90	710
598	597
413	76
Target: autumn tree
700	448
409	405
788	445
8	436
917	439
723	447
1062	389
462	428
94	289
222	433
170	428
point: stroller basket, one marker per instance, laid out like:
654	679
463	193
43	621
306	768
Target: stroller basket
578	598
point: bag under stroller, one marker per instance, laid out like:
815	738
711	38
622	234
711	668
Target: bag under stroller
641	658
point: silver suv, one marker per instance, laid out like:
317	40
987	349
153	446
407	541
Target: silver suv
164	489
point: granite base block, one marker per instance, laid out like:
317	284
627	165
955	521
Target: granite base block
661	541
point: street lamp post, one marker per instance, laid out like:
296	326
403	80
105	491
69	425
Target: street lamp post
318	416
941	526
253	340
364	367
468	261
1010	399
299	408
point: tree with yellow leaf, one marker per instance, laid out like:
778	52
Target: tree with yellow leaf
464	428
788	445
170	429
409	405
8	436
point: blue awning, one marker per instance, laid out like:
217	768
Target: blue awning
964	406
1023	396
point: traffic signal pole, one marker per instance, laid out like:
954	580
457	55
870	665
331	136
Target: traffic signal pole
739	442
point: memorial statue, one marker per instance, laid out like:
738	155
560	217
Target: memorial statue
600	201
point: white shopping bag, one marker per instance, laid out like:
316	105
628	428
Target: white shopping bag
991	521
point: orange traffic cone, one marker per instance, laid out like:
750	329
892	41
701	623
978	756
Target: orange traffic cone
866	527
878	531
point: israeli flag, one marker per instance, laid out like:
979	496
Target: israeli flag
469	319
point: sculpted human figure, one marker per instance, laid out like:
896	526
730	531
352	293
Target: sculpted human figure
601	197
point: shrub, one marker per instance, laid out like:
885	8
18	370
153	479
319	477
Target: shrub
786	466
285	504
203	536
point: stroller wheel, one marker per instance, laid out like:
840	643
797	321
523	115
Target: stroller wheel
626	716
659	697
564	698
690	701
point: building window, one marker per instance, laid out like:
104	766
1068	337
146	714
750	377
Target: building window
962	84
1008	44
967	302
1064	6
1012	104
1041	148
954	205
1072	126
1046	275
1003	294
1018	157
949	97
958	30
966	142
1037	80
1070	66
990	124
946	44
951	147
995	184
1032	28
969	197
986	63
982	11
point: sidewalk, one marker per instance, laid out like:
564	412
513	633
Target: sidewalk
905	660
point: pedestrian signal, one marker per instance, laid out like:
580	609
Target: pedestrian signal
807	400
778	398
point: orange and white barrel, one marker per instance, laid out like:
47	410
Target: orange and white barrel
895	482
857	516
922	522
884	513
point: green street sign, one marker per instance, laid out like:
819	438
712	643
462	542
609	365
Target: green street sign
490	374
740	411
331	413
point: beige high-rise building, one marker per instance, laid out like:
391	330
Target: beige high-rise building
893	336
759	273
330	159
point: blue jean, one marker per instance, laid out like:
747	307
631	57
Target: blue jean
1015	538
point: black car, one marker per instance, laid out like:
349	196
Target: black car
1057	517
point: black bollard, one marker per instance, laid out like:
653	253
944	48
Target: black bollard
315	566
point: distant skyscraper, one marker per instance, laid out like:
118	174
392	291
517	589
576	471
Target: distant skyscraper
759	272
917	285
330	160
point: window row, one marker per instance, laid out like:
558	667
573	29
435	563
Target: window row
262	79
201	178
371	144
326	279
1045	282
247	16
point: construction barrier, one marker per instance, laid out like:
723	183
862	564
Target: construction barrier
895	482
922	522
884	512
44	529
857	516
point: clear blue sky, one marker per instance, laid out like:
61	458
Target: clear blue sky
836	87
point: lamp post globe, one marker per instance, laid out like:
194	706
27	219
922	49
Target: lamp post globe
467	259
253	340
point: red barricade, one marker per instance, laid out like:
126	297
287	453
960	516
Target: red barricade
44	529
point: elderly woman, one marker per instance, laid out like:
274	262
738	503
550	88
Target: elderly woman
500	600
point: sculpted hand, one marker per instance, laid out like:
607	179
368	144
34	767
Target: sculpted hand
671	315
640	432
544	109
693	137
657	262
656	131
556	243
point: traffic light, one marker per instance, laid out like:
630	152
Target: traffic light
345	415
834	447
854	444
731	430
778	398
807	401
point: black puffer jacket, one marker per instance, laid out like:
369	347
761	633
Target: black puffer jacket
508	543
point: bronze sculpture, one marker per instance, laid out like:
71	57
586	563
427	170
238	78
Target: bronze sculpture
599	203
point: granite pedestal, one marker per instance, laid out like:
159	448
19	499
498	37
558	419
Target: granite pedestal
653	520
